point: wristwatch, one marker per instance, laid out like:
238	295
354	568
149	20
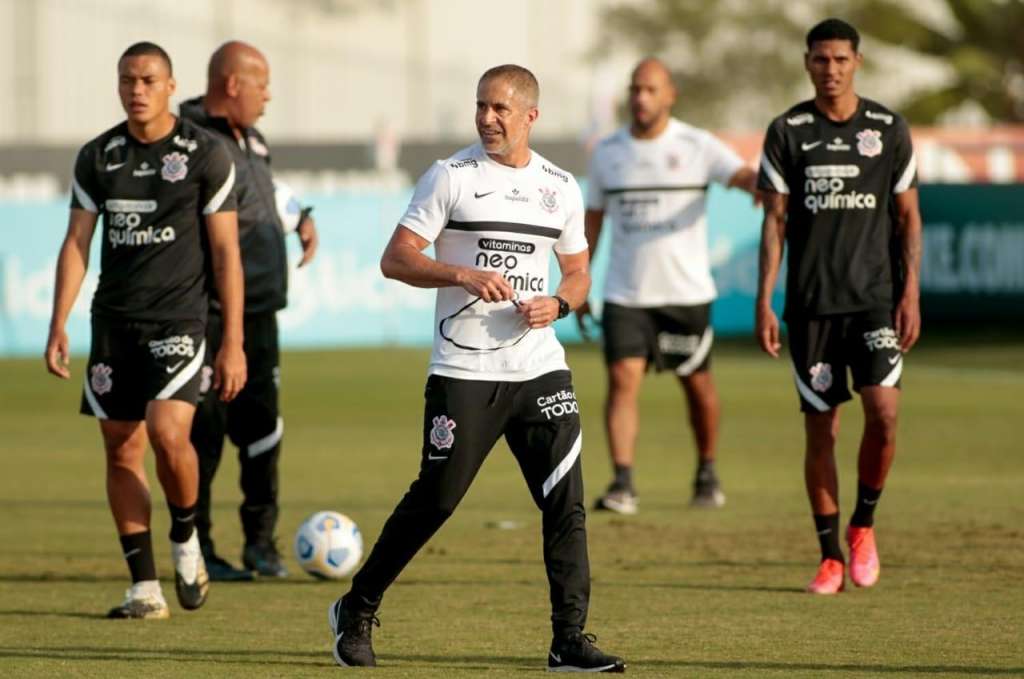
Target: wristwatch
563	307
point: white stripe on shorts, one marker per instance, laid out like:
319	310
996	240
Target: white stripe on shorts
90	398
894	375
700	353
184	376
808	394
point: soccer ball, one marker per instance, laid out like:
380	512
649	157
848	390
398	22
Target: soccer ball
288	208
328	545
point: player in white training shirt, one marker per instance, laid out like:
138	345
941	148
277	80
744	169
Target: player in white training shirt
494	212
651	178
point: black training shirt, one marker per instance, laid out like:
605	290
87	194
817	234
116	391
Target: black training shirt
153	198
260	236
840	178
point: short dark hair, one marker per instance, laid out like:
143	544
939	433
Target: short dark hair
520	78
148	49
833	29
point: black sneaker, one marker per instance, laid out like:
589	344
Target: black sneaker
221	570
264	559
352	631
707	493
577	653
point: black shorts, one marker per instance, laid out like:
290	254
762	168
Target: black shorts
134	362
539	419
823	348
675	338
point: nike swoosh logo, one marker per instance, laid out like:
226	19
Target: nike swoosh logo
172	368
431	456
132	552
557	658
870	503
807	147
185	519
893	360
825	532
481	195
113	166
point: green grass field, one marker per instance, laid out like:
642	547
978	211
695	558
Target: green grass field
677	592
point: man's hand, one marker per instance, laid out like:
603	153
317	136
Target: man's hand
57	356
229	371
309	239
907	321
538	312
490	286
582	314
767	331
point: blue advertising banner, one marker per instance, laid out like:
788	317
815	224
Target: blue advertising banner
341	298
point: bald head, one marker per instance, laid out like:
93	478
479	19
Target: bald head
654	69
237	83
651	97
233	58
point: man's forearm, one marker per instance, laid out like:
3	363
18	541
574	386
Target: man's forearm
910	243
71	267
407	264
230	291
769	259
593	222
574	288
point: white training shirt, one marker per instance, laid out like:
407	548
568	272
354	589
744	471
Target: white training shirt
485	215
653	191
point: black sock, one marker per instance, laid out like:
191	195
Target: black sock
183	522
138	552
827	526
706	471
623	477
864	512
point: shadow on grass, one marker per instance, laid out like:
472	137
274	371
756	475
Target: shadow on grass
52	614
62	577
245	656
624	584
111	577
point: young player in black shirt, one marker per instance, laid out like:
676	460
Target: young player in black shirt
839	177
165	189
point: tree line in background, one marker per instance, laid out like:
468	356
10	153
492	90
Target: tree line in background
740	56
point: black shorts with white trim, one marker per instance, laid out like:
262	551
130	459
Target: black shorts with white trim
676	338
823	347
134	362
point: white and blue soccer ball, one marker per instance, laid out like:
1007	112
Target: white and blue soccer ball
289	210
328	545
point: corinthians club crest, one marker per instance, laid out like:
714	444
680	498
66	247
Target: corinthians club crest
441	435
175	167
821	377
100	379
869	143
548	199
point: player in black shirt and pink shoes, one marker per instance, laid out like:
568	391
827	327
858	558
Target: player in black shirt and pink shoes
840	183
165	188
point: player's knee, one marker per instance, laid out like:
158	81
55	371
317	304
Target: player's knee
822	436
881	423
126	454
169	438
623	379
